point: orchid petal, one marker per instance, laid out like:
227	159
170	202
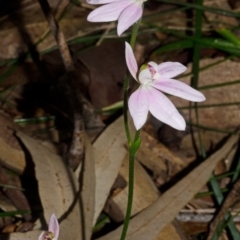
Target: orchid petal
41	237
54	226
101	1
179	89
128	17
164	110
130	60
109	12
170	69
138	105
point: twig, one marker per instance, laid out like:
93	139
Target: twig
76	152
224	208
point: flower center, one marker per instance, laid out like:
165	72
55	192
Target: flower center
154	74
48	236
140	2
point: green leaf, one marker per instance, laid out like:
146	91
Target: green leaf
175	46
135	146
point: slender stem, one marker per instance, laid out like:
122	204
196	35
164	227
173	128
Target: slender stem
134	33
132	153
126	85
132	150
130	195
125	109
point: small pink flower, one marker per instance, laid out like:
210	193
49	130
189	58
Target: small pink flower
53	230
148	97
127	12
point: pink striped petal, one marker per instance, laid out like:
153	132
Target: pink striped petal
164	110
130	60
179	89
154	65
129	16
138	105
171	69
101	1
109	12
53	226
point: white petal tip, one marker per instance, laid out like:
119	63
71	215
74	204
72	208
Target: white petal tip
119	32
178	122
90	18
200	98
203	98
139	121
137	126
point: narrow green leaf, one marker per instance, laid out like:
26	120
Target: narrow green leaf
14	213
182	44
135	146
203	8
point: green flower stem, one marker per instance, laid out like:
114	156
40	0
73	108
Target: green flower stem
125	109
134	33
132	152
132	146
130	195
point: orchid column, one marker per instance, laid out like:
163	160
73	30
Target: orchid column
153	79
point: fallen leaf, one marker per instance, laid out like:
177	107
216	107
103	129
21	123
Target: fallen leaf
87	177
170	232
12	155
57	188
219	20
109	152
32	235
156	157
150	222
107	75
24	27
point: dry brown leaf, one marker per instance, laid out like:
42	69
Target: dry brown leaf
155	156
24	27
149	223
107	74
33	235
57	189
12	156
219	20
170	232
88	189
109	152
6	205
188	147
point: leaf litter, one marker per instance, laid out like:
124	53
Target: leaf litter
168	174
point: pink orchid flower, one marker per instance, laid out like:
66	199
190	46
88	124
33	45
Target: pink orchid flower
148	97
127	12
53	230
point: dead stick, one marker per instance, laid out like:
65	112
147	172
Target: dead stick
224	208
76	150
58	35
